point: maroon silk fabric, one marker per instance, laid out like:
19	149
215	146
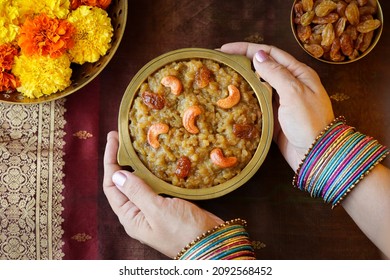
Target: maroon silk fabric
81	173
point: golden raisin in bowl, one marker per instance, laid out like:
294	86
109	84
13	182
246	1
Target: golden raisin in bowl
339	31
195	123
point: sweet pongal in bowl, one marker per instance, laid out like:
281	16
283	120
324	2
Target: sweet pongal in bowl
195	123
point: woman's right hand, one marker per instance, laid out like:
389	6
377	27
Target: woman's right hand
302	106
304	110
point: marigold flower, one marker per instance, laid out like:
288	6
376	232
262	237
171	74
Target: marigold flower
7	54
46	36
103	4
8	82
8	32
93	34
56	8
49	42
53	8
42	75
8	11
9	23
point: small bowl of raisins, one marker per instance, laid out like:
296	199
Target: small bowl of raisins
337	32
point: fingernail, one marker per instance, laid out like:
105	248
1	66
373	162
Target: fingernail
261	56
119	179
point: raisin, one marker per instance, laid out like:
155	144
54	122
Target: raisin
152	100
314	49
346	43
304	33
352	13
328	35
368	25
245	131
183	167
307	5
325	7
202	77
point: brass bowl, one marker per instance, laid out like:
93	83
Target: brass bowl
375	39
83	74
127	156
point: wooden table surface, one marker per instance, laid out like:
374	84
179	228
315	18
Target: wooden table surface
289	223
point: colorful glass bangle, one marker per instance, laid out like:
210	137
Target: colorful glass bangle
219	239
336	161
340	119
226	241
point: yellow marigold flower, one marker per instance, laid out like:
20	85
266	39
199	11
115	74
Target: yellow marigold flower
93	34
57	8
8	32
42	75
53	8
26	8
9	11
9	22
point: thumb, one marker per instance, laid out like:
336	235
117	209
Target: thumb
137	191
277	75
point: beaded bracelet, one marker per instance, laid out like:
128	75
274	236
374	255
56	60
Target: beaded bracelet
224	242
336	162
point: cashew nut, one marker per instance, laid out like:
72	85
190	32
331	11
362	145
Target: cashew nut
154	131
189	117
173	83
232	99
217	157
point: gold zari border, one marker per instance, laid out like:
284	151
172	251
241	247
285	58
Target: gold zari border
31	173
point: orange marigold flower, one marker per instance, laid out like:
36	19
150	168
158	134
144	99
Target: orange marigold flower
46	36
8	82
7	54
103	4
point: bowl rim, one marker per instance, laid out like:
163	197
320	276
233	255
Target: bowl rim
128	157
378	34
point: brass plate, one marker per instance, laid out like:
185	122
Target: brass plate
127	156
83	74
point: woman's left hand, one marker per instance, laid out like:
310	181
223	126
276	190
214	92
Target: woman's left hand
166	224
